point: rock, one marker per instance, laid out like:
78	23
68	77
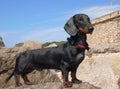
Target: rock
1	42
51	45
85	85
29	45
106	48
98	72
56	85
44	76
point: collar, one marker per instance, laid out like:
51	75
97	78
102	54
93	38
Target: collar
78	45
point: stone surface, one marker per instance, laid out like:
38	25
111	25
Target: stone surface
106	30
51	45
56	85
100	71
29	45
106	48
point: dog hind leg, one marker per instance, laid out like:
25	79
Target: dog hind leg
26	80
17	80
24	76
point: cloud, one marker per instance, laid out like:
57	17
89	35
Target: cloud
51	34
97	11
44	35
93	12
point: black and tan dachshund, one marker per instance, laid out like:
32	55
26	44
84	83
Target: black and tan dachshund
66	57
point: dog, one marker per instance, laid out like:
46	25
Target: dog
65	57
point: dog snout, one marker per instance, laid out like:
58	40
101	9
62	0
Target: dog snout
91	29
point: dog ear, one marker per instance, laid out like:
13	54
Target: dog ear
70	27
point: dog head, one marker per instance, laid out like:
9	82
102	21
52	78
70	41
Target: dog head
77	24
82	22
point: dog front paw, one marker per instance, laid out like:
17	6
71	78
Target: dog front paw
28	83
76	81
67	84
18	84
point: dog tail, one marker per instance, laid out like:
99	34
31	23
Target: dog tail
9	77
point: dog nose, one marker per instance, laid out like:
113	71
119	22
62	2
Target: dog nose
91	29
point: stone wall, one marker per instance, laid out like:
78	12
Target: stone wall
106	30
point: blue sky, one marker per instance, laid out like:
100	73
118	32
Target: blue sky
43	20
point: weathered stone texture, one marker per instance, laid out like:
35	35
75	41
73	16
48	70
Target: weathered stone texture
106	30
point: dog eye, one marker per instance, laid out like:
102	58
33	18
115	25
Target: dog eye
88	19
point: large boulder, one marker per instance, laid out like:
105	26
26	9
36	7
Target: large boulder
99	72
1	42
52	45
29	45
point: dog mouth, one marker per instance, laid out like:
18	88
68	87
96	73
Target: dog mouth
91	30
86	30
